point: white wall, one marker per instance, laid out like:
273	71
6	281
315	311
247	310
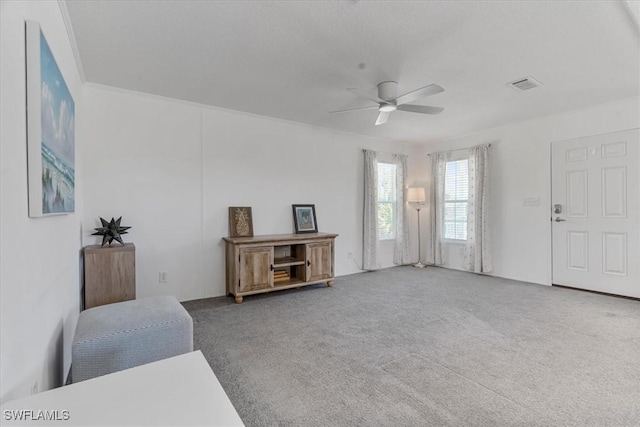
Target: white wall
520	168
39	258
172	169
143	162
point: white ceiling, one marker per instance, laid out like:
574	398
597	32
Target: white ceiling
294	60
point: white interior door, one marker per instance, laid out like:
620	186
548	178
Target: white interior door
596	233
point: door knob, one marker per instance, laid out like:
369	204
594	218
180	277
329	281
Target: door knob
558	219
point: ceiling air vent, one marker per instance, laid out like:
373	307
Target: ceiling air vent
525	83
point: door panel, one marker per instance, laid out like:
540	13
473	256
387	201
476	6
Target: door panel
614	149
577	193
578	250
319	261
596	236
255	268
576	154
614	250
614	192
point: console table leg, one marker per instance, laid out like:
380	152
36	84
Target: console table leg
239	299
330	283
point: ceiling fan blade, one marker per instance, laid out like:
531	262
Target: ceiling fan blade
423	109
354	109
365	95
419	93
382	118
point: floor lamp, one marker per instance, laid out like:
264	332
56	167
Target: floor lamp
416	197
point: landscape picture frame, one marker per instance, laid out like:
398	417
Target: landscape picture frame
240	221
304	219
50	130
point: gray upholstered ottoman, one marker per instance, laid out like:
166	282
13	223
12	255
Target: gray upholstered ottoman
119	336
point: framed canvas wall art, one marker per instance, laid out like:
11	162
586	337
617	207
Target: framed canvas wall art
50	130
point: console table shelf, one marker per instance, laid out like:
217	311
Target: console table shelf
281	261
287	261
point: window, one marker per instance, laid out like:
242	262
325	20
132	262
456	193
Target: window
386	201
456	194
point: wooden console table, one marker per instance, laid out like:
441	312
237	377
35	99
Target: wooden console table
109	274
279	261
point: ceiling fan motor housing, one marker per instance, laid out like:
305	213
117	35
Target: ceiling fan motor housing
388	90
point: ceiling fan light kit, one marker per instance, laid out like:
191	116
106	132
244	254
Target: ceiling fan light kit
388	101
387	108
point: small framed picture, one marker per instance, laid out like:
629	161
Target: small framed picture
304	218
240	221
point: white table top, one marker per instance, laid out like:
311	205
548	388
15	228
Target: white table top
180	391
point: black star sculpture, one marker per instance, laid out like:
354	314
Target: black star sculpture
111	231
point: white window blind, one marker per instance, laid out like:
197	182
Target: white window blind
386	201
456	195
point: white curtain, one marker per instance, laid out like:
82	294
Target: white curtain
401	249
436	207
370	244
478	252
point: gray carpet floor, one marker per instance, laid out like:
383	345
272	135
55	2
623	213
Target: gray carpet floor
432	347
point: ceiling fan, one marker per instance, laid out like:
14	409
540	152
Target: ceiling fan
388	101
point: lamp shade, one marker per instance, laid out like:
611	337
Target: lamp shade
416	195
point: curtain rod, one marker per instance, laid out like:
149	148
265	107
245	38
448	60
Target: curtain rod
458	149
384	152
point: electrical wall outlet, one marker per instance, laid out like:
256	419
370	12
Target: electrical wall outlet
349	255
163	277
34	388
